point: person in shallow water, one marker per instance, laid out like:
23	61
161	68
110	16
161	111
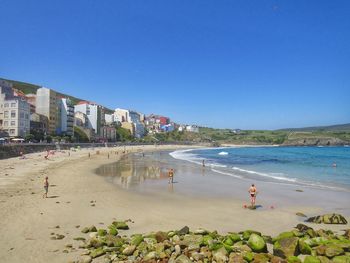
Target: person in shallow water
171	176
253	192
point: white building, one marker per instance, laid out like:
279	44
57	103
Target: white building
14	112
48	104
93	113
192	128
131	117
67	117
110	118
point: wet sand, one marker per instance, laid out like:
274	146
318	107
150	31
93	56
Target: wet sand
139	191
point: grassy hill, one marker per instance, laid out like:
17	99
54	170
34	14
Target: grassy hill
331	128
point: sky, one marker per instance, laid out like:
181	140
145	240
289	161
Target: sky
249	64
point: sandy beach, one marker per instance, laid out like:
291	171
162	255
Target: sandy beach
78	197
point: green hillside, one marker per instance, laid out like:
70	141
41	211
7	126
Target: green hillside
331	128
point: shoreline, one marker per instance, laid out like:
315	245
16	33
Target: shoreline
80	197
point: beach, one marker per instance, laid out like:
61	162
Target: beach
83	192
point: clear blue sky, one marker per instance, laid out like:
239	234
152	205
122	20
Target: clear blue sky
251	64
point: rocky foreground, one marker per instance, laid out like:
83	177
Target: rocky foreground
302	244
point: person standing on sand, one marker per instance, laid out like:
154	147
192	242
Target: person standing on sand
253	192
46	186
171	176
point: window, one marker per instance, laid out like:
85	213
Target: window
21	115
13	114
21	124
12	131
6	105
13	123
6	114
6	123
27	116
13	104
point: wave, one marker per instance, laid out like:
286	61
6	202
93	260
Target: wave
223	153
185	155
266	175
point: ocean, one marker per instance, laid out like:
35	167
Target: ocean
319	167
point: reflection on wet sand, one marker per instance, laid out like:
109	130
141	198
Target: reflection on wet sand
133	170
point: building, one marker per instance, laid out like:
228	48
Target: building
38	123
14	112
94	114
192	128
67	116
154	123
31	99
127	117
80	119
110	119
108	133
48	104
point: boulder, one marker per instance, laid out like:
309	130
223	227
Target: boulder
248	256
102	232
97	252
220	255
112	230
129	250
275	259
300	214
246	234
136	239
257	243
183	259
237	258
234	237
347	233
92	229
121	225
293	259
161	236
151	255
328	219
311	259
183	231
333	250
324	259
304	248
302	227
286	247
341	259
261	258
201	231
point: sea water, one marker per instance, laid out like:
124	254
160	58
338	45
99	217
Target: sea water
321	167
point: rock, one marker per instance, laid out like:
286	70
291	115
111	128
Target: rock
59	236
183	231
311	259
246	234
328	219
261	258
302	227
112	230
324	259
283	235
94	242
102	232
151	255
121	225
129	250
257	243
286	247
136	239
237	258
275	259
304	248
220	255
177	250
341	259
92	229
161	236
248	256
183	259
97	252
334	250
234	237
207	240
85	259
201	232
300	214
293	259
197	256
85	230
193	242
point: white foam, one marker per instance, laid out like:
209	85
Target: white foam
225	173
223	153
282	178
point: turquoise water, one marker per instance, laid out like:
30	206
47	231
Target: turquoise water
309	166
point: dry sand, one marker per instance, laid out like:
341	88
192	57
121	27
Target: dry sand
79	198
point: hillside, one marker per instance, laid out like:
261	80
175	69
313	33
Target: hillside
256	137
335	128
28	88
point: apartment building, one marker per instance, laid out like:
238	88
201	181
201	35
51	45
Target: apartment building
67	116
93	113
48	104
14	112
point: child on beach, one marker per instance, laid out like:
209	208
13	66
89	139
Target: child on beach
46	186
171	176
253	192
